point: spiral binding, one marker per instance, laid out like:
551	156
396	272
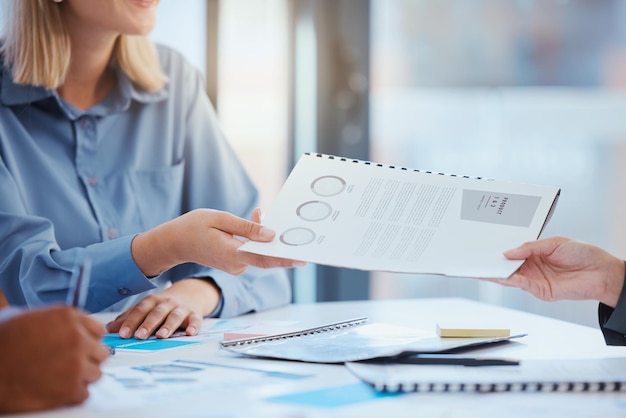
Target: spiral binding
400	387
324	328
334	157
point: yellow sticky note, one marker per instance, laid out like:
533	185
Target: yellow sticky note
467	329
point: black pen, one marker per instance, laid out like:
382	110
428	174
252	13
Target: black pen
447	359
77	295
79	285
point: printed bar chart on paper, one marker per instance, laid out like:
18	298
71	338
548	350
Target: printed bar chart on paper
367	216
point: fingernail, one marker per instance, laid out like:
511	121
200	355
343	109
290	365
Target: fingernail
163	333
141	333
191	331
125	332
266	233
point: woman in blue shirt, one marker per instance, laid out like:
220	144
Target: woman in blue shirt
110	148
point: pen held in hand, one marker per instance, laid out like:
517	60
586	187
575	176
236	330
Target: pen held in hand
79	288
79	284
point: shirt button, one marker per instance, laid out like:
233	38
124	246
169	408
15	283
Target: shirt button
84	122
92	181
123	291
112	233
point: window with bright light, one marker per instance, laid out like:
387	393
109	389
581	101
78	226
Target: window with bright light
528	91
253	88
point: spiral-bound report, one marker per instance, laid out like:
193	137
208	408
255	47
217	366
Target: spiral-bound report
334	327
357	214
534	375
353	340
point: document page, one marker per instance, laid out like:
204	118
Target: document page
355	343
361	215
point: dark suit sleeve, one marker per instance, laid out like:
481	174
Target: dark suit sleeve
613	320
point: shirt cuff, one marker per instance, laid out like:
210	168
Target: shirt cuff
115	275
218	309
613	320
10	312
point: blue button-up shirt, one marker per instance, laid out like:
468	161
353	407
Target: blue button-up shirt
78	182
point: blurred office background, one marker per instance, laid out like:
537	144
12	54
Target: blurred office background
521	90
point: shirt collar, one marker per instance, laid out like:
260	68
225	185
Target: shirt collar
118	100
17	94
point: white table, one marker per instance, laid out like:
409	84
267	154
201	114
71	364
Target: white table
244	393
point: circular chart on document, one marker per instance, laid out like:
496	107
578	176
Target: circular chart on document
314	211
297	236
328	185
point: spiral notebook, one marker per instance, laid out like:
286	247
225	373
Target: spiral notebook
357	214
353	340
536	375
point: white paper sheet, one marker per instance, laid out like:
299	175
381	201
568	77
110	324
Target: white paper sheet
366	216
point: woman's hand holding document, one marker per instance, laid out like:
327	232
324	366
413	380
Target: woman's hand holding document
361	215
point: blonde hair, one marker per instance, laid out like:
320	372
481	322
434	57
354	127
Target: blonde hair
36	46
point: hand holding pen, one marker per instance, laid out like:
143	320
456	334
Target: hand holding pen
50	356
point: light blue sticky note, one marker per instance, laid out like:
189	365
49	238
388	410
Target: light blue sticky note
334	396
135	344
